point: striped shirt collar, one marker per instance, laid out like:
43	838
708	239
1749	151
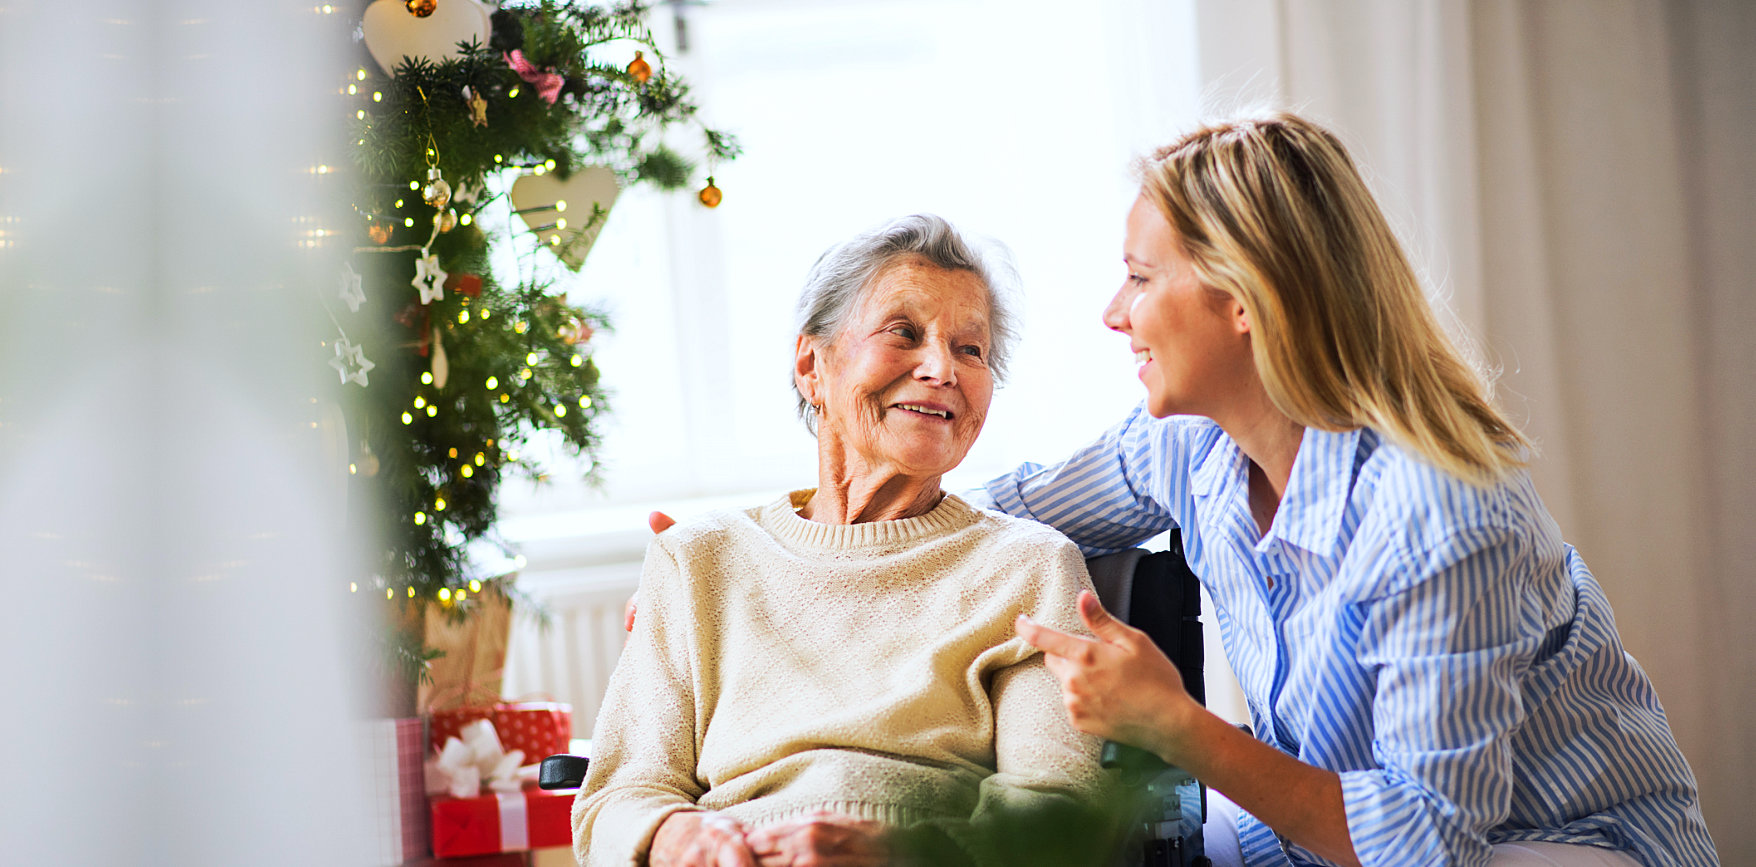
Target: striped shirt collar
1316	495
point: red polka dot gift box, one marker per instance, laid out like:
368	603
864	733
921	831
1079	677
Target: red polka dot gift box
539	728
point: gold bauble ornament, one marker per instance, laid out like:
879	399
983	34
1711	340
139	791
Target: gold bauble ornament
447	219
379	231
437	192
639	69
421	8
710	194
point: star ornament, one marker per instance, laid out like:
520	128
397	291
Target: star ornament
429	279
351	362
352	293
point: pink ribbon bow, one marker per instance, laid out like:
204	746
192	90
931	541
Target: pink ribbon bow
548	84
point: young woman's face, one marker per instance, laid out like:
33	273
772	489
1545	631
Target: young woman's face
1191	342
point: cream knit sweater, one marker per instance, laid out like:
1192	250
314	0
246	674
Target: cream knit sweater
781	666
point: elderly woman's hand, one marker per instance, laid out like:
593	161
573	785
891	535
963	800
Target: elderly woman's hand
697	839
1118	685
821	840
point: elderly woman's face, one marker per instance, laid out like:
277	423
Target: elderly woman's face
906	385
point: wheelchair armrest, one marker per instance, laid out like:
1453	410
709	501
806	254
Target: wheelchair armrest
562	772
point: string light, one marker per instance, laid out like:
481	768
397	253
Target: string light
483	313
493	383
585	401
411	591
353	470
377	96
438	504
463	317
398	205
481	459
407	419
360	74
560	411
408	222
389	594
467	471
524	374
420	518
444	594
427	379
530	358
353	586
576	361
520	327
465	219
432	410
353	89
460	594
360	114
413	185
475	586
453	452
505	398
498	158
510	94
420	401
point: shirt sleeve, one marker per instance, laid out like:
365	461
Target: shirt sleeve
1103	497
1047	789
644	744
1448	643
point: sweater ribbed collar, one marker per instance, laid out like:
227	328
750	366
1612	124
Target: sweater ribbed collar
782	519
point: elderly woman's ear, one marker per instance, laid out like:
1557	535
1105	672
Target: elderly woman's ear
805	370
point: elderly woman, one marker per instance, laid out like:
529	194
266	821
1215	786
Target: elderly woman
808	676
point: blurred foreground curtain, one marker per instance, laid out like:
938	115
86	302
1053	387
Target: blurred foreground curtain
1579	179
174	656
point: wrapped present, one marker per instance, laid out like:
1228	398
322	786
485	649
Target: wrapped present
502	822
536	728
393	750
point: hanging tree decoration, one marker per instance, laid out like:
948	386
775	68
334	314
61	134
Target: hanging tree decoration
452	111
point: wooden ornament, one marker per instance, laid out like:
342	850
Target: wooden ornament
391	33
560	211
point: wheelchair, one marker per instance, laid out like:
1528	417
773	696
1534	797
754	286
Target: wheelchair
1157	594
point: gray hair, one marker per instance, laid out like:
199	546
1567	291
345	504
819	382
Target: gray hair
842	275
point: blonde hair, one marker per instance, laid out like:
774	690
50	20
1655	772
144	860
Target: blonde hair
1272	212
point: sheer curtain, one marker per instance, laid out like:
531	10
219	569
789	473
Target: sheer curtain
1577	179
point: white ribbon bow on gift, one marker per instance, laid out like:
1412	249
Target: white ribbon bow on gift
464	766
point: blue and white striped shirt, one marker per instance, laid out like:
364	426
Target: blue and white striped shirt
1435	643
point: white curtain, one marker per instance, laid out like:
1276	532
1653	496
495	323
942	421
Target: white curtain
1579	182
174	653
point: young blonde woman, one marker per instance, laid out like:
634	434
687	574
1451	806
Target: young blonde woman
1433	675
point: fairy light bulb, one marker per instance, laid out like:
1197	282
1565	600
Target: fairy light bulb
530	358
420	518
467	471
389	593
481	459
411	591
560	411
493	383
475	586
576	361
463	317
585	401
438	504
420	401
444	594
432	411
427	379
408	419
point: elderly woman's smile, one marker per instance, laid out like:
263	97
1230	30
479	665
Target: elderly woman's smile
901	392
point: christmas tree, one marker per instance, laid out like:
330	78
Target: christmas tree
447	371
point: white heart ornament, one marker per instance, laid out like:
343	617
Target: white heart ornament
561	212
392	33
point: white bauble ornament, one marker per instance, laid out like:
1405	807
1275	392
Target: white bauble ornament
392	33
560	211
441	365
